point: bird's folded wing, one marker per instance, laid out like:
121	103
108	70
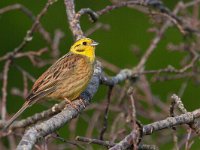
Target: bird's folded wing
49	80
39	95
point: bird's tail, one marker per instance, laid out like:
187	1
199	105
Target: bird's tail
30	100
25	105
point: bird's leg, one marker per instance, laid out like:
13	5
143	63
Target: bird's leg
70	103
82	102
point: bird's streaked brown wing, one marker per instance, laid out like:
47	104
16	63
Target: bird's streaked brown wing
47	82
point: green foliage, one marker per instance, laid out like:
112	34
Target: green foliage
127	27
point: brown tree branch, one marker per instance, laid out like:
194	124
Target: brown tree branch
73	22
35	118
4	89
27	39
169	122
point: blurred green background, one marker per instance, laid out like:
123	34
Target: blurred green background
127	27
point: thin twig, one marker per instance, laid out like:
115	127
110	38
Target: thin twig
106	113
175	138
4	89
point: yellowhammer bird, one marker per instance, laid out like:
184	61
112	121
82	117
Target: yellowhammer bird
66	78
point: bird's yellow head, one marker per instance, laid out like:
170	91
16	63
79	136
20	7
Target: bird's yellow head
85	47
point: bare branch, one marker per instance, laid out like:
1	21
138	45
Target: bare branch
74	24
4	89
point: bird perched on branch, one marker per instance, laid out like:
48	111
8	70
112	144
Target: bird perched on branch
65	79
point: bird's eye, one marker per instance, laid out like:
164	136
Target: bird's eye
84	43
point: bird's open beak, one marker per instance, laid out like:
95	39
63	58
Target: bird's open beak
94	43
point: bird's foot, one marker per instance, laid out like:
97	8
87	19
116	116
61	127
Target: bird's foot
71	104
